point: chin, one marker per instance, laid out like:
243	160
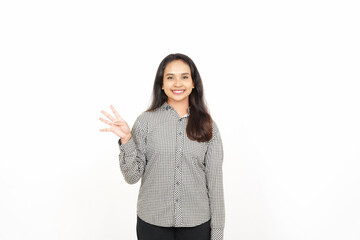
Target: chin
175	98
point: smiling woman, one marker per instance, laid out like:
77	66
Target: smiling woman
175	148
177	72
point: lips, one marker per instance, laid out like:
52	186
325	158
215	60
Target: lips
178	91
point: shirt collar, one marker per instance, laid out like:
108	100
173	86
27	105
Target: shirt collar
167	106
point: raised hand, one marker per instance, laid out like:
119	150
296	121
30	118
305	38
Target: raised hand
117	125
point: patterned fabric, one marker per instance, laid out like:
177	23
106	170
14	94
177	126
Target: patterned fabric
181	179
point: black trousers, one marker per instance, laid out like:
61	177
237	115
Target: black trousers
147	231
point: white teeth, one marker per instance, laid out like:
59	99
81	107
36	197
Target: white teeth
178	91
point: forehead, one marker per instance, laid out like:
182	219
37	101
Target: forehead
177	66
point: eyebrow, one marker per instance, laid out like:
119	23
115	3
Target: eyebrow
174	74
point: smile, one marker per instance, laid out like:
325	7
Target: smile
178	91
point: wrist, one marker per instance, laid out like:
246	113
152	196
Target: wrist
125	139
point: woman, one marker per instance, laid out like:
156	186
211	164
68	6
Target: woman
175	148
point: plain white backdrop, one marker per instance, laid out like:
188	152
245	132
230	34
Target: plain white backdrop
281	79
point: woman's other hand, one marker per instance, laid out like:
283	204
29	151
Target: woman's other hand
117	125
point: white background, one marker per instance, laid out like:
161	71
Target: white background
281	79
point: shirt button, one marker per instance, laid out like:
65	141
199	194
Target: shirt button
177	200
179	133
177	183
177	166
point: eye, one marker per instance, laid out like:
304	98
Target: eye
169	78
185	76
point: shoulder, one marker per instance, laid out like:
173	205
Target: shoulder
215	130
144	118
148	116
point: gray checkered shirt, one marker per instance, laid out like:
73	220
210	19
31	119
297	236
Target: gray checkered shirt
181	179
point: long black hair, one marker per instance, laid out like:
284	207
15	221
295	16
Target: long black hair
199	126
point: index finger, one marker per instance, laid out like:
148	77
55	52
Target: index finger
117	115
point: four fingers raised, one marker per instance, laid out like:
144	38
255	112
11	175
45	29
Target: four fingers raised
117	121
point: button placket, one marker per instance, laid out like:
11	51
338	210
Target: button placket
178	173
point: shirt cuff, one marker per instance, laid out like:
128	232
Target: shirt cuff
217	234
128	148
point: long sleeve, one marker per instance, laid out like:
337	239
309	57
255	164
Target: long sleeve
214	180
132	157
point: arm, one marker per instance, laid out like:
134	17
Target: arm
132	157
214	181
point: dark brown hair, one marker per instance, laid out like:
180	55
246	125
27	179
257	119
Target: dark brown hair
199	126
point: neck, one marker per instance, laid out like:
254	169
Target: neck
181	107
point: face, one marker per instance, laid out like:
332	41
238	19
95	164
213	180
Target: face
177	76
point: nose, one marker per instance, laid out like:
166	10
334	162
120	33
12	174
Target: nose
177	82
